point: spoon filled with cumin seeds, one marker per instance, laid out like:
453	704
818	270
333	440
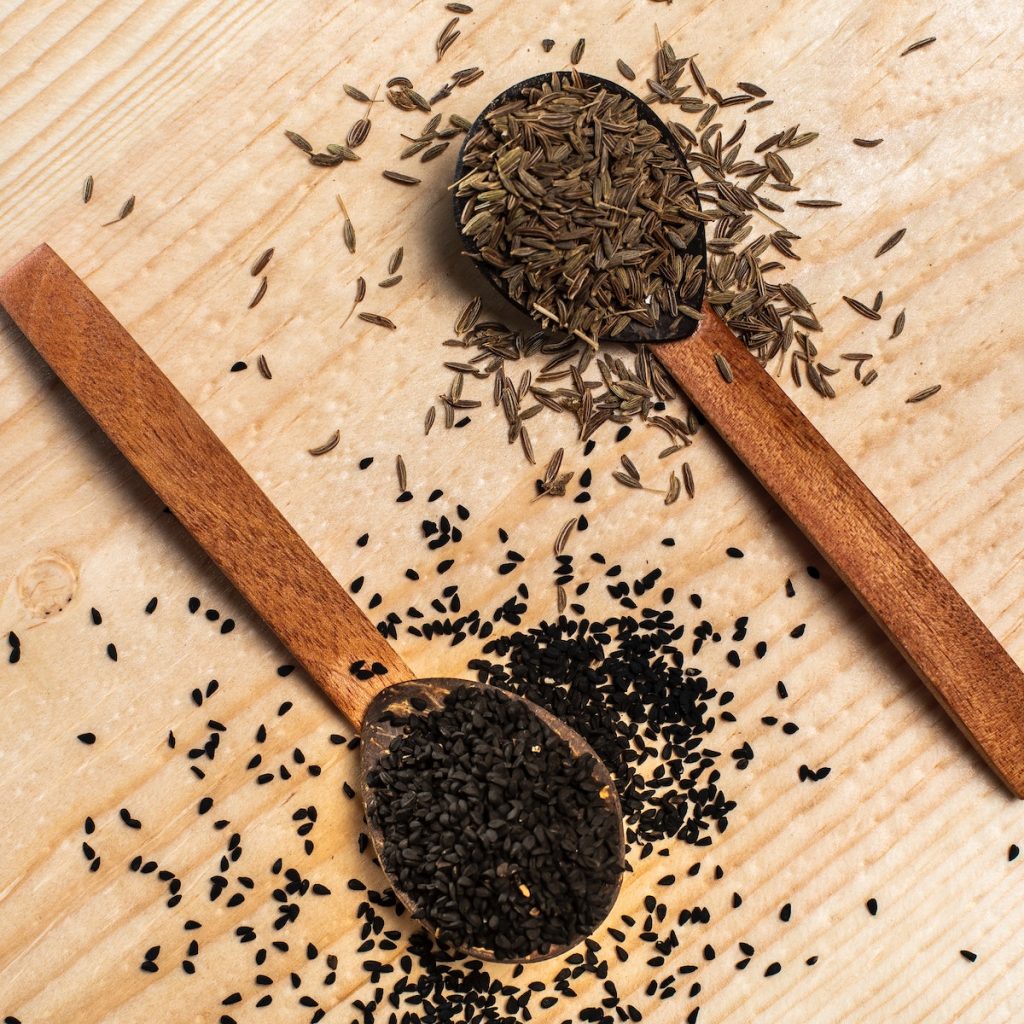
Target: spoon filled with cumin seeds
496	823
576	202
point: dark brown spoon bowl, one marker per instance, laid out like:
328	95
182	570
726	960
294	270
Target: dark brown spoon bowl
377	734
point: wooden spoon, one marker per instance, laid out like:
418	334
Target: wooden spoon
974	679
217	501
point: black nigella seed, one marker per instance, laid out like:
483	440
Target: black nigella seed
790	727
89	738
212	614
734	552
1014	852
111	652
366	462
772	969
969	955
96	617
780	689
814	572
786	912
761	648
193	604
240	365
561	839
872	905
623	432
798	631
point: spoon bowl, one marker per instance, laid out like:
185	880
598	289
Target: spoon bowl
667	327
379	731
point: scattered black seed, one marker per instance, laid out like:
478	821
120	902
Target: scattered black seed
151	606
734	552
1014	852
772	969
968	955
872	905
89	738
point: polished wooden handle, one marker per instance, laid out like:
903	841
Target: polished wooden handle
201	482
950	648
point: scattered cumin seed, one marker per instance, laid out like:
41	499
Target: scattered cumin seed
920	396
469	316
376	318
688	480
403	476
819	204
261	261
264	367
899	324
260	292
348	231
87	189
921	43
625	70
754	90
892	241
428	420
859	307
459	8
433	152
126	207
296	139
870	377
356	94
723	367
867	143
390	282
395	261
577	51
328	445
402	179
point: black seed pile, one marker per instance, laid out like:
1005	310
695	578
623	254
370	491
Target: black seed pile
494	828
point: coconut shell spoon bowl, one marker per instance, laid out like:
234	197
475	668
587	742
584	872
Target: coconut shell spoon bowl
220	505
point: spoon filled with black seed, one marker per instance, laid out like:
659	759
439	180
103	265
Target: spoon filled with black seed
496	823
576	202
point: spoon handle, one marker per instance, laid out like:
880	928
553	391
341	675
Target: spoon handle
201	482
971	675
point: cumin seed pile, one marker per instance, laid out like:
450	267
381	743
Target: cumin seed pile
585	211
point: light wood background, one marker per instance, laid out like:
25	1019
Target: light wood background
183	103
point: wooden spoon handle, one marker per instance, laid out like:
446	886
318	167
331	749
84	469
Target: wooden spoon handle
201	482
949	647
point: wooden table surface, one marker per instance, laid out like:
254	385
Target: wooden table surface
183	104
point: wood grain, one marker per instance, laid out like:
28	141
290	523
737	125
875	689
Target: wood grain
203	484
183	103
977	683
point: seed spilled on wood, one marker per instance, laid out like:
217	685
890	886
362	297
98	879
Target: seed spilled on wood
261	290
893	240
126	208
329	445
261	262
920	396
918	45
